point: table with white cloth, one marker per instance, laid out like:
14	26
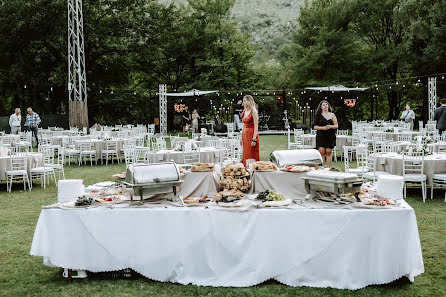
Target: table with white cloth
318	247
289	184
34	160
207	155
99	145
12	137
199	184
341	140
393	164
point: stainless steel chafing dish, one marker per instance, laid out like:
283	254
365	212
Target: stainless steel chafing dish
332	182
296	157
152	179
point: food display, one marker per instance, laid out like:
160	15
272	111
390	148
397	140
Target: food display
235	177
232	194
270	195
119	175
190	200
264	166
83	201
202	167
296	168
378	201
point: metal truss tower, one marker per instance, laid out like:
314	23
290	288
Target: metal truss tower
432	96
163	109
77	83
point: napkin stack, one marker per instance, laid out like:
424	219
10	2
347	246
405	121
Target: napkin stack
390	186
69	190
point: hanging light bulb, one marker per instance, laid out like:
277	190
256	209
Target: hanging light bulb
419	80
51	89
100	91
442	77
134	93
111	92
24	86
396	82
404	86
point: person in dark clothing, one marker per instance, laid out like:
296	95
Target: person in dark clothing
185	117
325	124
238	109
440	116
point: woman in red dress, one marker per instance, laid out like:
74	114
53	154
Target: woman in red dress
250	135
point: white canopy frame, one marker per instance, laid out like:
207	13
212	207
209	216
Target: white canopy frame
336	88
163	102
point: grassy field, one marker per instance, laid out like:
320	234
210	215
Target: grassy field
23	275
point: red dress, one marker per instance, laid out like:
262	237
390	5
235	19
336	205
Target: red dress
249	152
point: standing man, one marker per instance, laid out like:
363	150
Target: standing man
408	116
238	109
440	116
32	122
15	121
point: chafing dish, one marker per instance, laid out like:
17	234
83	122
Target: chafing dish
332	182
296	157
152	179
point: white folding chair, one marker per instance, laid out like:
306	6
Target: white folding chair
45	172
111	151
192	156
361	161
413	171
18	170
87	152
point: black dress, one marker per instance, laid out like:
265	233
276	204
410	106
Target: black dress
324	138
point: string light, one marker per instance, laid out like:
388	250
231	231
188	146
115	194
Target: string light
51	89
100	91
24	86
111	92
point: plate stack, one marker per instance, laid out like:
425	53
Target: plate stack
69	190
390	186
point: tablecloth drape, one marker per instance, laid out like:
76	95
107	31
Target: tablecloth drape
338	248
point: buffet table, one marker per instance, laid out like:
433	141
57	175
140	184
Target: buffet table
338	248
289	184
393	164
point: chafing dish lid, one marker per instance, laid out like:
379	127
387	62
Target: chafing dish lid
152	173
332	176
296	157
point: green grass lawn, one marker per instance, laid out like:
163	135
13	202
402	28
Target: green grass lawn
24	275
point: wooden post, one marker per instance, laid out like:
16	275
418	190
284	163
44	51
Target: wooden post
78	114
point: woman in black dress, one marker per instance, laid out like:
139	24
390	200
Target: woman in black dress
325	124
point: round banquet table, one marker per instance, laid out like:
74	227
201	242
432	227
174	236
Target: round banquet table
15	138
207	155
341	140
393	164
99	145
34	160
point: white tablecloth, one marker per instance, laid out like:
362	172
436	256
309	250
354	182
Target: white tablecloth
339	248
341	140
207	155
199	184
393	164
289	184
34	160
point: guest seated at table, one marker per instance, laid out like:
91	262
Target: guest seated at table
325	124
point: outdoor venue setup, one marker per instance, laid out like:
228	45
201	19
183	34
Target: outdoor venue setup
214	222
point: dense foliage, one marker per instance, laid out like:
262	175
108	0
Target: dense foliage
133	45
